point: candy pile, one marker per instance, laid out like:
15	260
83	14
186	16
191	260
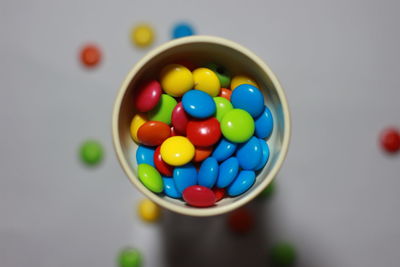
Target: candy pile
199	139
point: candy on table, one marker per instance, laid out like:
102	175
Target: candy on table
208	173
179	118
170	188
228	170
145	154
241	220
204	132
153	133
390	140
163	111
199	196
185	176
219	193
248	98
176	79
207	81
182	29
160	164
177	151
147	96
90	55
222	74
242	183
237	126
264	124
91	152
242	79
249	154
267	192
283	254
198	104
137	121
264	156
148	211
201	153
142	35
129	257
222	107
224	149
150	178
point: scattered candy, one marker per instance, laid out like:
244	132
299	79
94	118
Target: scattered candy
153	133
224	150
242	79
129	257
207	81
145	154
390	140
160	164
199	196
264	124
137	121
228	170
179	118
208	172
142	35
177	151
225	93
147	96
201	153
242	183
176	79
91	152
222	74
185	176
248	98
223	106
182	30
90	55
148	210
170	188
163	111
150	178
249	154
237	126
241	220
204	132
283	254
198	104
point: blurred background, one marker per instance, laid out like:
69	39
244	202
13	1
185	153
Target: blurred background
336	197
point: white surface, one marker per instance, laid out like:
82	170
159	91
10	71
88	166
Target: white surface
338	194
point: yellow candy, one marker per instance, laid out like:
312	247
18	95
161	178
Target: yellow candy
137	121
176	79
242	79
177	151
207	81
142	35
148	210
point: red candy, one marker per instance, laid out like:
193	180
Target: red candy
201	153
90	55
147	96
161	166
219	193
390	140
199	196
225	93
240	220
175	132
153	133
203	132
179	118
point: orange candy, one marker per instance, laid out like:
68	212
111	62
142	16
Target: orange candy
201	153
90	56
225	93
153	133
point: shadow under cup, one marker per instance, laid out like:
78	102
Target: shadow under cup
200	50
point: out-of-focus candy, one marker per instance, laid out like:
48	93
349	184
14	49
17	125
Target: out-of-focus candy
207	81
267	192
242	79
160	164
249	154
137	121
148	211
180	118
147	96
90	55
198	104
129	257
264	124
224	150
222	74
283	254
163	111
248	98
390	140
142	35
182	30
225	93
264	156
237	126
228	170
199	196
242	183
153	133
170	188
145	154
208	173
150	178
176	79
201	153
223	106
91	152
241	220
203	133
185	176
177	151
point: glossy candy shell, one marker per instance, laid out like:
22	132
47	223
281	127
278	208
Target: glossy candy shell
147	96
185	176
222	107
242	183
204	132
180	118
249	98
150	178
199	196
249	154
177	151
153	133
228	170
170	188
237	126
160	164
145	154
264	124
163	111
208	173
198	104
265	155
224	149
201	153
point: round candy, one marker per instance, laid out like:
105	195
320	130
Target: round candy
203	133
264	156
223	106
267	192
390	140
249	98
129	257
148	211
219	193
182	30
150	177
283	254
160	164
208	173
242	79
207	81
199	196
170	188
163	111
249	154
90	55
237	126
177	151
147	96
142	35
145	154
225	93
153	133
176	79
179	118
242	183
91	152
201	153
198	104
228	170
224	150
264	124
137	121
241	220
185	176
222	74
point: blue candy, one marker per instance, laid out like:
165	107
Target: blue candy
185	176
249	154
265	155
145	154
182	30
242	183
264	124
208	172
224	150
249	98
170	188
227	172
198	104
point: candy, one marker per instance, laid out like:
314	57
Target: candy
91	152
170	188
160	164
147	96
208	173
129	257
198	104
145	154
175	132
223	106
222	74
182	30
242	183
264	156
137	121
225	93
199	196
148	211
90	55
185	176
248	98
264	124
249	154
224	150
237	126
283	254
142	35
176	79
150	178
201	153
228	170
219	193
163	111
180	118
153	133
207	81
203	133
267	192
177	151
242	79
390	140
241	220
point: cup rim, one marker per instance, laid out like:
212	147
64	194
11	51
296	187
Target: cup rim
187	210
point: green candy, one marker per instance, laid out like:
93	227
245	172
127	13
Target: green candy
283	255
268	191
163	111
223	106
150	177
129	257
91	152
237	126
222	74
